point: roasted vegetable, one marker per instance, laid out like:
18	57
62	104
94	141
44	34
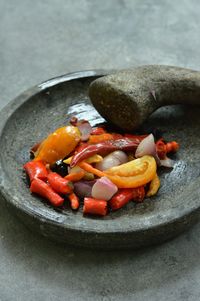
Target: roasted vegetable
134	173
104	148
106	170
44	190
58	145
59	184
74	201
36	169
123	196
94	206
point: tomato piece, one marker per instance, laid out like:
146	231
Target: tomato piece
133	174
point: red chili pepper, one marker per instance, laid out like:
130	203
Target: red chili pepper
81	146
98	131
36	169
94	206
74	201
123	196
45	191
59	184
138	194
172	146
163	148
105	147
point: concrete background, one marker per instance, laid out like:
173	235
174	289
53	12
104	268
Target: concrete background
42	39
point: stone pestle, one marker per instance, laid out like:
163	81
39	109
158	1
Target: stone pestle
128	97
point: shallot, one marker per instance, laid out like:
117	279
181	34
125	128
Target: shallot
167	162
85	129
147	147
113	159
84	188
104	189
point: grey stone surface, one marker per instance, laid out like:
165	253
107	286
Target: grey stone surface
37	112
41	39
128	97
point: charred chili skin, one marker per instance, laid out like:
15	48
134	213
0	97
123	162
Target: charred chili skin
125	144
138	194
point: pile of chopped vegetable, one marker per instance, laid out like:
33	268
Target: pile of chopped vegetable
104	170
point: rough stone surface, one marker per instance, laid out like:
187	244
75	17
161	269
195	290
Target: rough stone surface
42	39
127	98
51	105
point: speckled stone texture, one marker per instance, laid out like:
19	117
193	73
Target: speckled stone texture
50	105
43	39
128	97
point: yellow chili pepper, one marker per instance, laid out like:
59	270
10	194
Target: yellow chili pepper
92	159
58	144
133	174
154	186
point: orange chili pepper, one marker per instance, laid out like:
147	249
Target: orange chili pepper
94	139
58	144
89	168
74	177
74	201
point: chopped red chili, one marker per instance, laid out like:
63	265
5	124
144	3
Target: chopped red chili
59	184
123	196
36	169
44	190
94	206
